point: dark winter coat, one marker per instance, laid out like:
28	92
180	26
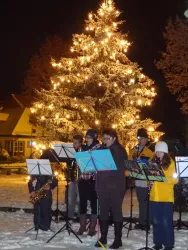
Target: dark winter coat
41	181
113	179
95	145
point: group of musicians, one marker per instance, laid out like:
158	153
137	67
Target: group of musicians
106	189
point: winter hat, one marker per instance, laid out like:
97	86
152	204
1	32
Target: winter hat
142	132
92	132
161	147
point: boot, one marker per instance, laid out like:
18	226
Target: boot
168	248
157	247
118	234
82	228
104	231
92	225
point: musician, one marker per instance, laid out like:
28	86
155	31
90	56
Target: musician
161	200
138	152
42	208
86	187
73	194
110	186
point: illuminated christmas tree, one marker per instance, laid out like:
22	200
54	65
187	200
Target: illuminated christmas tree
99	86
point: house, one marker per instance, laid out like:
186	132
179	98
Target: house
16	131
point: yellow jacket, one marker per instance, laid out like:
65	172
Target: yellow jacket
133	154
164	191
146	152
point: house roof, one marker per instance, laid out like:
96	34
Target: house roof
15	100
22	100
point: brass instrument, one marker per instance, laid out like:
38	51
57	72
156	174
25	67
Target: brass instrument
39	194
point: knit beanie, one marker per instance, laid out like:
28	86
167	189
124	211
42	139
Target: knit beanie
142	132
161	147
93	133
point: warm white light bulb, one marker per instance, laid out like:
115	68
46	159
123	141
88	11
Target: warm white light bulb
139	102
175	175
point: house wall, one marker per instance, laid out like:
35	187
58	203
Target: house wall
16	142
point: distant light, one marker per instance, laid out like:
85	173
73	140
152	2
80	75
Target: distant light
186	13
28	178
175	175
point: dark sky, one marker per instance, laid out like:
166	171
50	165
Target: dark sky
26	24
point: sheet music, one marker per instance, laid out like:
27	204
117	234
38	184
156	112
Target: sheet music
64	150
182	166
39	167
96	160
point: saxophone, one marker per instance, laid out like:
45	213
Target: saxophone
39	194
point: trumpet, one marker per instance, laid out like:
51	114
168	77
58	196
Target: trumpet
39	194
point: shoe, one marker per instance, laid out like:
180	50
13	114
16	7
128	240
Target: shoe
61	218
82	228
142	227
104	231
157	247
43	229
76	219
118	234
138	226
168	248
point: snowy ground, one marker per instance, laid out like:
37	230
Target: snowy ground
13	225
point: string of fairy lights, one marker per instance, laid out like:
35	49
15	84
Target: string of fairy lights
101	50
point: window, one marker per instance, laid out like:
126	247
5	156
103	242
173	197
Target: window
19	147
15	147
9	147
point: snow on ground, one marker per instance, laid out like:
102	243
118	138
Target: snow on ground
14	225
13	236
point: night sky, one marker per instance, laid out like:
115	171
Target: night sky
26	24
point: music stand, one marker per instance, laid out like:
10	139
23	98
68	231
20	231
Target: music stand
94	161
148	172
56	213
38	167
182	172
153	172
134	172
65	152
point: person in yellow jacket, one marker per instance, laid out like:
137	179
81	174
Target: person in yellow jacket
162	199
138	152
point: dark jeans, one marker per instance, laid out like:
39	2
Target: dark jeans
162	220
87	192
111	200
141	193
42	213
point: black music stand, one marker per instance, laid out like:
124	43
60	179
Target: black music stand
38	167
65	153
147	172
56	213
182	172
134	171
153	172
